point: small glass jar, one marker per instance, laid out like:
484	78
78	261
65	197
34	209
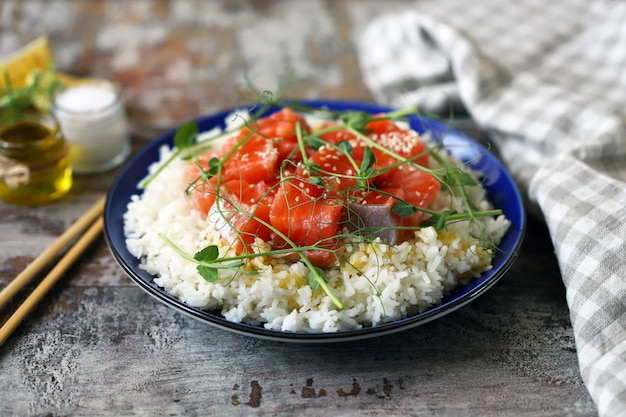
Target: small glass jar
34	159
93	120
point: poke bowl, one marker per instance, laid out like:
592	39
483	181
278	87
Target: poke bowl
261	283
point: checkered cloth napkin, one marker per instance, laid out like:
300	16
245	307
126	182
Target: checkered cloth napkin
548	81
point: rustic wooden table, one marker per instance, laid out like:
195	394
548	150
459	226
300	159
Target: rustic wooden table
99	346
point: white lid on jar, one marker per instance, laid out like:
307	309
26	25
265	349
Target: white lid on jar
88	100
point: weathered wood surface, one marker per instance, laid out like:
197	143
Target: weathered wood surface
99	346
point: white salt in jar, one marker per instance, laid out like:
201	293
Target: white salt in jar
93	120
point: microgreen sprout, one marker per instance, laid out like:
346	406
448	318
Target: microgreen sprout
207	260
317	278
454	179
366	170
36	93
356	120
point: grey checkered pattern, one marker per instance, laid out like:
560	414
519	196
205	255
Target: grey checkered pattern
548	80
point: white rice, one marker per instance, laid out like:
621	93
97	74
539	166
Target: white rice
378	283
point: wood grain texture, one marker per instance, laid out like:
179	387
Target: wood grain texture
99	346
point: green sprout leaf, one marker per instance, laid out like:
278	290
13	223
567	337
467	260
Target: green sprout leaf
356	119
314	142
366	170
439	220
185	135
403	209
315	276
317	279
368	161
458	177
208	254
214	164
345	147
314	169
208	273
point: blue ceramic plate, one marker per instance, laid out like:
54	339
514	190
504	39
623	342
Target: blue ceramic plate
500	186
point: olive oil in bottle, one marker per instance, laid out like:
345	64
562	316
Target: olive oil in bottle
34	160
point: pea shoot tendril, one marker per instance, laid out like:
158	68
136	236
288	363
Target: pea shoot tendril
452	178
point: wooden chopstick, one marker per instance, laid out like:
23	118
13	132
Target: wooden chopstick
93	217
48	255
